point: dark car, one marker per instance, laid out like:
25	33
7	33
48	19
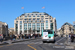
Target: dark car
74	35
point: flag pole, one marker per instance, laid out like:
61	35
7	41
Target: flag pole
24	10
44	8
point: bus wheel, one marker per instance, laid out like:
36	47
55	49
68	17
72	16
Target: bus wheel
44	41
54	41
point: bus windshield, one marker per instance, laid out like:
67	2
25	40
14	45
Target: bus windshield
50	32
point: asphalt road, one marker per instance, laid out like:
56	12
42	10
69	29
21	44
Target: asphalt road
37	45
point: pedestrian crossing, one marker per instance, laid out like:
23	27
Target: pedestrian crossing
29	43
61	44
40	42
33	43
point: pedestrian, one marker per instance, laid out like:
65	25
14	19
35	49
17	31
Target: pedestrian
29	36
1	39
34	35
11	37
69	37
72	38
22	36
4	36
14	37
25	36
19	36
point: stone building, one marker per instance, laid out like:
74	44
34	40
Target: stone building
34	23
3	28
67	28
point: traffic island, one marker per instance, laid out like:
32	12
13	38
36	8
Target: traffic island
22	40
4	43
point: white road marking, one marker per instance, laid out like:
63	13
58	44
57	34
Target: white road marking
61	43
34	43
60	40
69	47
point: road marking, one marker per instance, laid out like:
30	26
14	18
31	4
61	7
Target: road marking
61	43
1	46
69	47
60	40
31	47
10	45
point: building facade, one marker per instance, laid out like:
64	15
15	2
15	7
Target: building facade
3	28
34	23
67	28
58	32
11	31
74	28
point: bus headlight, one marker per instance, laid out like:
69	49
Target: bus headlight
52	37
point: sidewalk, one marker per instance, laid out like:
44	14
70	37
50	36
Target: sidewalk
70	43
15	41
3	43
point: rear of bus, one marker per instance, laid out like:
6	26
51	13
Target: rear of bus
48	36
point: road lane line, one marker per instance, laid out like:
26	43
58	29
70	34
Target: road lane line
31	47
10	45
1	46
60	40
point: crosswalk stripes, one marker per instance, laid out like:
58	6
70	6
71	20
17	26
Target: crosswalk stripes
59	43
40	43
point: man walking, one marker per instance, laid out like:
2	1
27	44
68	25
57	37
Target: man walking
72	38
1	39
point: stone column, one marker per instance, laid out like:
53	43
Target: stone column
40	28
27	28
18	27
22	27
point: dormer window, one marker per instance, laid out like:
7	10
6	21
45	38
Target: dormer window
29	16
29	19
42	16
25	16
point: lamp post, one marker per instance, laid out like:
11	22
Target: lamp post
6	30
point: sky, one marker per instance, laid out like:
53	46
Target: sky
62	10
